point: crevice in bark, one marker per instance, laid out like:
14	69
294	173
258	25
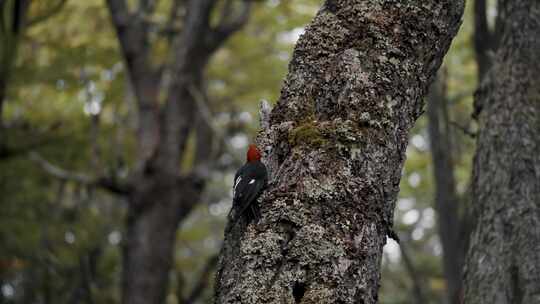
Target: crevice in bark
289	231
517	292
298	291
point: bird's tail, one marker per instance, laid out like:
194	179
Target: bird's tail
254	213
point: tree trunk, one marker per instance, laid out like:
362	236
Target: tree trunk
160	196
503	262
446	199
151	232
335	148
159	200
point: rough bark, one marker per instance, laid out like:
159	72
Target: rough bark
503	261
446	198
160	196
335	148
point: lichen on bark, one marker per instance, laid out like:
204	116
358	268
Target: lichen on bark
335	147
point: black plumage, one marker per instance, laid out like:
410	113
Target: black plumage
249	182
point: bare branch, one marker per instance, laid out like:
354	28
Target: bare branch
65	175
226	12
209	136
466	130
147	7
228	24
132	30
206	133
7	152
169	29
498	29
119	12
59	172
483	37
187	58
196	25
202	105
40	137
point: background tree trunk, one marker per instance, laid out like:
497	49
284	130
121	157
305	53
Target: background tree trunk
454	230
446	198
13	16
503	262
485	40
159	196
335	147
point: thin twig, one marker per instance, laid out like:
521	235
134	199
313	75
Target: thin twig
65	175
464	129
229	24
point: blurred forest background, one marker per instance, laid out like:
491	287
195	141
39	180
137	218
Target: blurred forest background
69	124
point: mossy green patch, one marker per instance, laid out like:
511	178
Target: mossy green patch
307	134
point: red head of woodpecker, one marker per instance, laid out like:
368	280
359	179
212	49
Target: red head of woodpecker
249	182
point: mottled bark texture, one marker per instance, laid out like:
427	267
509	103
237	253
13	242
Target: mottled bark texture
159	196
335	148
446	198
503	261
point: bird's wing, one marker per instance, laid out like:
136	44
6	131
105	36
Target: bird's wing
238	184
254	190
237	181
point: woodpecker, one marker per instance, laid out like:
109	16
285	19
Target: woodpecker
249	182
